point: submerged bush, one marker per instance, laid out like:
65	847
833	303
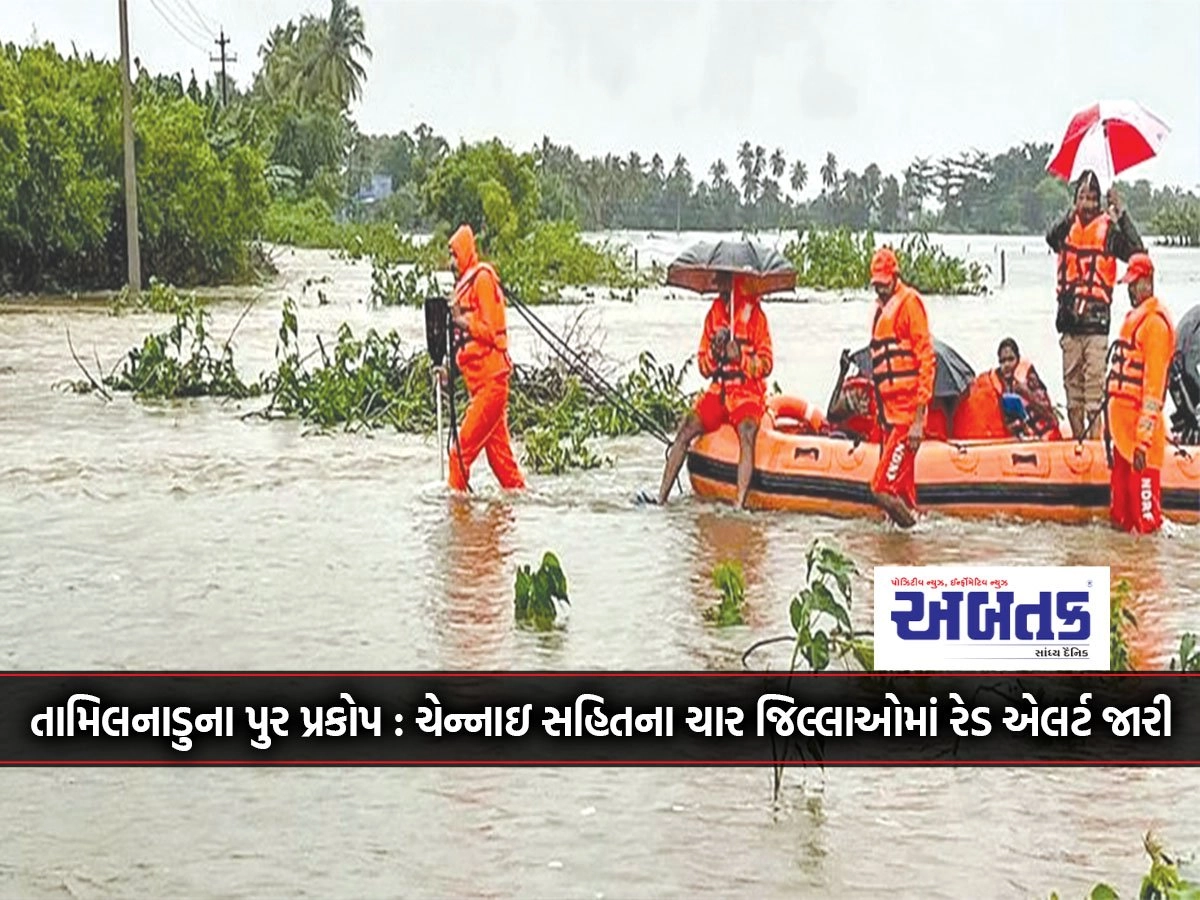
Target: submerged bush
841	260
375	381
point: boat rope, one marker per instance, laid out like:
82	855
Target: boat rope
577	363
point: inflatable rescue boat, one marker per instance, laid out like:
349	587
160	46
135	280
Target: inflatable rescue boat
795	470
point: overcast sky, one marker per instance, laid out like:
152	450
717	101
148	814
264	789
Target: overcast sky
872	80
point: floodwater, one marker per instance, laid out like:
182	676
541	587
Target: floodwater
178	536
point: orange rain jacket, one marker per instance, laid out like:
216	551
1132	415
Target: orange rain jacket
903	364
747	376
484	356
1137	382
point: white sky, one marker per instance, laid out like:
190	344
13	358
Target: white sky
871	80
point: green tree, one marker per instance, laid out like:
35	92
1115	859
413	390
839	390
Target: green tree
487	186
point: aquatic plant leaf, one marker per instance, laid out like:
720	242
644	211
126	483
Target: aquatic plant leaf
824	601
818	655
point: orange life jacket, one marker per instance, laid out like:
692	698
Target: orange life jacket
1137	385
978	415
752	334
1085	269
1041	425
474	358
1126	374
739	331
895	367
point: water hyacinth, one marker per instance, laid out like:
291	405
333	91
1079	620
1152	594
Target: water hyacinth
375	381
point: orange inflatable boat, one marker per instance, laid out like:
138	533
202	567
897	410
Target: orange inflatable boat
1065	481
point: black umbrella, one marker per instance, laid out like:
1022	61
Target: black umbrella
954	374
765	270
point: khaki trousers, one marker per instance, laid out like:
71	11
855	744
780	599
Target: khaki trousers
1083	358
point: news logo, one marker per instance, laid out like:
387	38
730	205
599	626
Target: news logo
991	618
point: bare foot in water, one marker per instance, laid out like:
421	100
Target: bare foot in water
897	511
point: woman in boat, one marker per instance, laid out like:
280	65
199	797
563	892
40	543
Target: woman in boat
1010	401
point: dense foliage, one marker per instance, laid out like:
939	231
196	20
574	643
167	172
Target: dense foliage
62	208
972	192
283	160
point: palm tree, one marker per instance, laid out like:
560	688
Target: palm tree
799	176
718	171
778	163
829	172
332	68
871	180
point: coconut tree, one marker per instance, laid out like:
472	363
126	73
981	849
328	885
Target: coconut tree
829	172
331	67
799	176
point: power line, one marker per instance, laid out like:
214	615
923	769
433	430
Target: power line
182	18
201	18
175	27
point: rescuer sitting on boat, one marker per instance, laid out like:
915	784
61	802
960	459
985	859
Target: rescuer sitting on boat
737	356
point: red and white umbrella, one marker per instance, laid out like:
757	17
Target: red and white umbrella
1108	137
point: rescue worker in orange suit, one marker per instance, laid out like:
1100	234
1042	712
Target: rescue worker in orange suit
980	413
738	358
1136	389
854	414
903	366
1088	242
482	356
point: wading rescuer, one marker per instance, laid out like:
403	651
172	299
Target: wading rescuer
738	358
482	356
1088	243
903	366
1136	389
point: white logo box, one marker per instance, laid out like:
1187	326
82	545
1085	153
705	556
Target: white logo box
992	618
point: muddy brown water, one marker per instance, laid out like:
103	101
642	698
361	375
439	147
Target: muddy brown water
178	536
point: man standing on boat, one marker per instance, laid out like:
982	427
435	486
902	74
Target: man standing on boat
1137	389
1088	243
737	356
903	365
482	357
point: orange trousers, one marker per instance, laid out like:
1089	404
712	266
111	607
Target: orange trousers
485	428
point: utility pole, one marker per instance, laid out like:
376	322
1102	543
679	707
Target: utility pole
221	59
131	209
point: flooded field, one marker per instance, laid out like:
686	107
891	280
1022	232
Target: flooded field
178	536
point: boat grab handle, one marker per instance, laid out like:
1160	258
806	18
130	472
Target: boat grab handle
814	452
1029	459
